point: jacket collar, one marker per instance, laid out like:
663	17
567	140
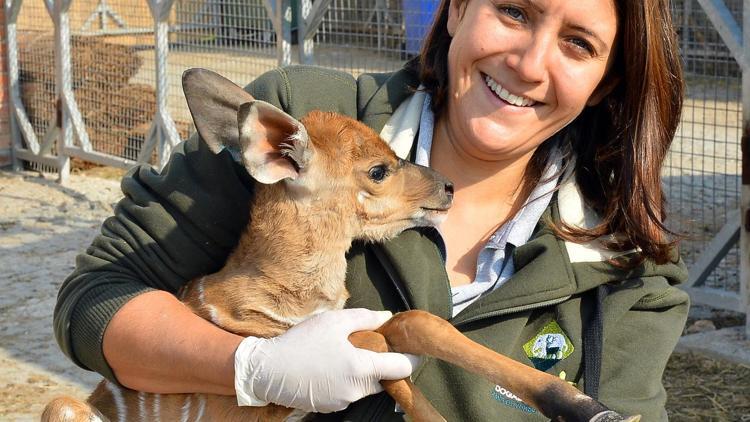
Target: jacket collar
379	95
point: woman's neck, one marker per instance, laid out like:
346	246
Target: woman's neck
487	193
487	181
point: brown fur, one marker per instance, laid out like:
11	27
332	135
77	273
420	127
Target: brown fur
289	263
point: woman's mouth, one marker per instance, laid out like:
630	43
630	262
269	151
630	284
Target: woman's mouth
503	94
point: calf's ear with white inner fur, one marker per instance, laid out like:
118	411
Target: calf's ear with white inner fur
274	145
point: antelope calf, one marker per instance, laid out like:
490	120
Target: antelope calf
322	183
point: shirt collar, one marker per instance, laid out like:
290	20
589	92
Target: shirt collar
524	222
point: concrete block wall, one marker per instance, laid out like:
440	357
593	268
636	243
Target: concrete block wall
5	141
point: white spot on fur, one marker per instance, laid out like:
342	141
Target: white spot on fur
68	414
157	407
186	410
201	407
213	314
201	296
361	196
438	218
298	136
122	412
282	319
429	217
296	416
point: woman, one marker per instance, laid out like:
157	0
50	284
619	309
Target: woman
552	119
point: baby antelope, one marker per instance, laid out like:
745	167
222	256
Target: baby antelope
321	183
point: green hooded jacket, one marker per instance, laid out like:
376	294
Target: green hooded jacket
183	222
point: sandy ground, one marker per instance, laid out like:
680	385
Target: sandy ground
42	227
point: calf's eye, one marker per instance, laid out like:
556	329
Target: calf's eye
378	173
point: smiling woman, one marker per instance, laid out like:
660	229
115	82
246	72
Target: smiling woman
543	55
550	55
568	62
551	117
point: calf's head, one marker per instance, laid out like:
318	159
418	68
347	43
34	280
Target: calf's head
325	159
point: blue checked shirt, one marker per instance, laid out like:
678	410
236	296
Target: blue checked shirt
495	260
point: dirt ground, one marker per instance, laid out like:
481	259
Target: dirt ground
42	227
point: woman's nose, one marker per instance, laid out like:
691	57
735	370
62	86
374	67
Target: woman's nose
530	60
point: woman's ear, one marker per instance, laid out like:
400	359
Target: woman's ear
456	11
606	86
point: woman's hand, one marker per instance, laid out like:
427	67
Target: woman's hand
314	367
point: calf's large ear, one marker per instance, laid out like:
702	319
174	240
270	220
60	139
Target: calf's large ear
214	101
274	145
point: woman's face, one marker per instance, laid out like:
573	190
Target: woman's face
520	70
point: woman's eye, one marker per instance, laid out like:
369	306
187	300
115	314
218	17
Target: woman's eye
378	173
582	45
513	12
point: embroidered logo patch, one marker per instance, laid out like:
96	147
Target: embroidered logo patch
550	346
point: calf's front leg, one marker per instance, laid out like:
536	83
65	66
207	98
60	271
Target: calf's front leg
421	333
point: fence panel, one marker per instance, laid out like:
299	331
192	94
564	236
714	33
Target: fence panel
359	36
235	38
112	82
35	55
702	173
32	76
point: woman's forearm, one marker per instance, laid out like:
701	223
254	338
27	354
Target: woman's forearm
156	344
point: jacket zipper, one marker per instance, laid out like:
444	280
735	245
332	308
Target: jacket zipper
507	311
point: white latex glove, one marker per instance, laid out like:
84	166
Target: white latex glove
314	367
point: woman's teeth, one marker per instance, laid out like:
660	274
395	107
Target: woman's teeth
507	96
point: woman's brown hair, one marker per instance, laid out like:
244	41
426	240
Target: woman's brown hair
619	144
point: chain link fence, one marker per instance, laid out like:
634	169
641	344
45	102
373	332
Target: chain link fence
126	87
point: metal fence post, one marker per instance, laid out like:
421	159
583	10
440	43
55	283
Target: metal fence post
309	19
304	42
280	14
726	26
163	131
745	154
12	7
285	41
59	13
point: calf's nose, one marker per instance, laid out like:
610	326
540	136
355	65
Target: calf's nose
449	191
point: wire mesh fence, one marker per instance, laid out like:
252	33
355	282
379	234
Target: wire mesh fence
235	38
116	106
115	68
359	36
702	174
36	61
